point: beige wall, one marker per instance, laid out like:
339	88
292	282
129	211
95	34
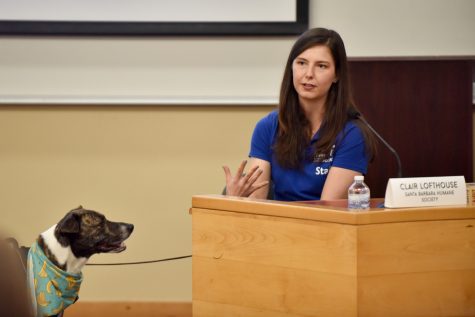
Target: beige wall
143	164
139	165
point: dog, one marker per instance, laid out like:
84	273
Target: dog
55	260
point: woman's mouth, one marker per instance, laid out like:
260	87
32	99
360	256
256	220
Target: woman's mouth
308	86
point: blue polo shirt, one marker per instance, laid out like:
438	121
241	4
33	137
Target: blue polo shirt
307	183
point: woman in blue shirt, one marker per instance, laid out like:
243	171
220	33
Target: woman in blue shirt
311	147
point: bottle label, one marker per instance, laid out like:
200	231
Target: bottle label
358	201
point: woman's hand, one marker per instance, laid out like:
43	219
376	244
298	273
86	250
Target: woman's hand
243	185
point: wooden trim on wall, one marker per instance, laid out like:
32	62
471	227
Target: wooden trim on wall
129	309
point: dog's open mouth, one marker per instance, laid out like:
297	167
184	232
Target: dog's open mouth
113	247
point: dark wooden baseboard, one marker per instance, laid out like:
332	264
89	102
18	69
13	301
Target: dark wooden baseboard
129	309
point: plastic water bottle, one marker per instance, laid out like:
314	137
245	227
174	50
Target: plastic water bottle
358	194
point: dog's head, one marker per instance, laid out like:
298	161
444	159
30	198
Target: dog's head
88	232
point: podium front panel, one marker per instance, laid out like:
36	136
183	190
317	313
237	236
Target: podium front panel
263	258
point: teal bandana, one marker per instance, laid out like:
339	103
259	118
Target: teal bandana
52	289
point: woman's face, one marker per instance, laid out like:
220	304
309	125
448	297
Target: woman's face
314	73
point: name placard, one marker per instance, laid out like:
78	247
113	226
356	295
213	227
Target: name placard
425	191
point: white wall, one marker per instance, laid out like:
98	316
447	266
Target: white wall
236	68
400	28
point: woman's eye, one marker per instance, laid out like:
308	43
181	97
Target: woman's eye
322	66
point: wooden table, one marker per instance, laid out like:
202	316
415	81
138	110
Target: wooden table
268	258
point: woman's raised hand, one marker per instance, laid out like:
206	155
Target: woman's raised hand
243	185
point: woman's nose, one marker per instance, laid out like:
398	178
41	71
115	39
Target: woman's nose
309	72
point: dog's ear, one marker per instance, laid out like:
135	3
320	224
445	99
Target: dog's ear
69	224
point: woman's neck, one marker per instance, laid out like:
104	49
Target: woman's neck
314	111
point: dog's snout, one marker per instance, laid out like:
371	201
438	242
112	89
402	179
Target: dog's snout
128	227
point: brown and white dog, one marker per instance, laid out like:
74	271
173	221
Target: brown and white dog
57	257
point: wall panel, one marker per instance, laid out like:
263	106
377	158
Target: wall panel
423	108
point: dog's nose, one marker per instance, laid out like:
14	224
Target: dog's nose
129	227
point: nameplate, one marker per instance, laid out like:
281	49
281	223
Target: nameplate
425	191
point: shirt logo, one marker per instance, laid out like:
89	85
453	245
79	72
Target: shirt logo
321	171
324	158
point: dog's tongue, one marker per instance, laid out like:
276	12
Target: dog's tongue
121	247
113	247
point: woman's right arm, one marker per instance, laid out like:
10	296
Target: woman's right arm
254	183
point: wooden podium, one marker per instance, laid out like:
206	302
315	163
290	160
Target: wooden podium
268	258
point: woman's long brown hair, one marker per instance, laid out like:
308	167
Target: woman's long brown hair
294	128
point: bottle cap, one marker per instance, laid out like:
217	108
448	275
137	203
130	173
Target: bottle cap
359	178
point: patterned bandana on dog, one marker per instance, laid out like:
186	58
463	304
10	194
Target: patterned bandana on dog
52	289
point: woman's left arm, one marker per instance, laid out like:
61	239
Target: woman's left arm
337	183
350	160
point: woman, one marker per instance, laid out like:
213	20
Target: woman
311	148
